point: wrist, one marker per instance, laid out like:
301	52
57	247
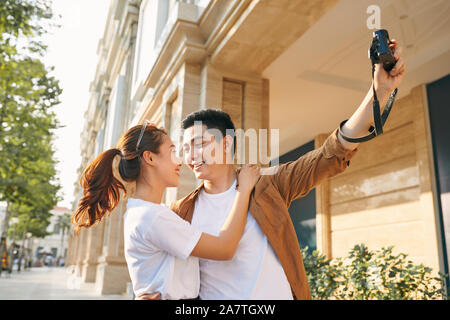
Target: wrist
381	89
244	193
382	93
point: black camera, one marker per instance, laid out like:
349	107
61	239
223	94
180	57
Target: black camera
379	51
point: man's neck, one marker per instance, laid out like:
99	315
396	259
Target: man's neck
222	182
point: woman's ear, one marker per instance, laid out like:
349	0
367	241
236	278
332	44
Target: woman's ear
147	157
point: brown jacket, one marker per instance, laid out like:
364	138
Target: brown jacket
270	200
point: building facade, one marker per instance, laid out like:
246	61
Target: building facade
56	242
297	66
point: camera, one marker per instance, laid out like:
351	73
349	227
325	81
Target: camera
379	51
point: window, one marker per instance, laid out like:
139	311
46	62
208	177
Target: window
174	119
146	39
164	9
99	141
56	228
153	18
114	114
438	96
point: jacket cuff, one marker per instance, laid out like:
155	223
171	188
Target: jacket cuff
333	147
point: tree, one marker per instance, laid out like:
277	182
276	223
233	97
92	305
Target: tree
28	94
64	224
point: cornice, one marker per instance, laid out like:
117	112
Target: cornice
193	41
184	43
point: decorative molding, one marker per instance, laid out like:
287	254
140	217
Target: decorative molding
184	41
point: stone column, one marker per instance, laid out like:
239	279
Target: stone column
71	248
211	88
81	250
112	272
94	245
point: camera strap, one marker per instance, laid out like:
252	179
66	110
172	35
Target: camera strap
379	120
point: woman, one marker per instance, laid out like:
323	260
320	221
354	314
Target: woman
161	249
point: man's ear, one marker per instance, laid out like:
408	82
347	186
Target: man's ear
147	156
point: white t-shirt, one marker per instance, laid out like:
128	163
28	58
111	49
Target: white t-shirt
254	272
158	244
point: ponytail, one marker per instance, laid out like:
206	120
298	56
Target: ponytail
101	191
112	171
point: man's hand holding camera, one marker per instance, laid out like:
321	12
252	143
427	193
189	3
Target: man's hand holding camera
385	82
385	55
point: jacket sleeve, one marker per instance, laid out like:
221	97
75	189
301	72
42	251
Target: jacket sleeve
296	178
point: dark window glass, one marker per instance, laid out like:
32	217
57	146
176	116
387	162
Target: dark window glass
303	210
438	105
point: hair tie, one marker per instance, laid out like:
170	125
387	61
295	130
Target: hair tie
130	187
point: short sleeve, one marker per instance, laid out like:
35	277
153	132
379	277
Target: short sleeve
170	233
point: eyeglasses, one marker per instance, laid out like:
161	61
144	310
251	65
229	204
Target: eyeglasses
141	135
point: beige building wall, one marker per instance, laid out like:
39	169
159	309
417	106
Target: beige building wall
385	196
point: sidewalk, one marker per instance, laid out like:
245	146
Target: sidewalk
48	283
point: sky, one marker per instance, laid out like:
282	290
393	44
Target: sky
72	50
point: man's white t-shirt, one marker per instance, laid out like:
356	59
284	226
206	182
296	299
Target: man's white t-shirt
158	244
254	272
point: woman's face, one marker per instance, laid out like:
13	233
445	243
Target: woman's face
166	164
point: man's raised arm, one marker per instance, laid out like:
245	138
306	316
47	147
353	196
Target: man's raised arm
384	83
296	178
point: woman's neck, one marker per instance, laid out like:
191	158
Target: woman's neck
151	192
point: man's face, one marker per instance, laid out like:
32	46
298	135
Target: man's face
204	151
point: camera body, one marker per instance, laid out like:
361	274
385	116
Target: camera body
379	51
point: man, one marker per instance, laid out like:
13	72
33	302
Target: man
268	263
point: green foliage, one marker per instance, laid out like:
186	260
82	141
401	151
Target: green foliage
366	274
323	276
28	94
16	17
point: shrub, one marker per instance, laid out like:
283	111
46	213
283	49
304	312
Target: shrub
368	274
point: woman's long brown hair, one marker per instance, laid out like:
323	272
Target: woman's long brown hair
101	189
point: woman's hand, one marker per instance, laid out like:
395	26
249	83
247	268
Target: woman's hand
247	178
149	296
385	82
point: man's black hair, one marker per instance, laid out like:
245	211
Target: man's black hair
211	118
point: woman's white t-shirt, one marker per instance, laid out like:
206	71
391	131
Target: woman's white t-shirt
158	244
